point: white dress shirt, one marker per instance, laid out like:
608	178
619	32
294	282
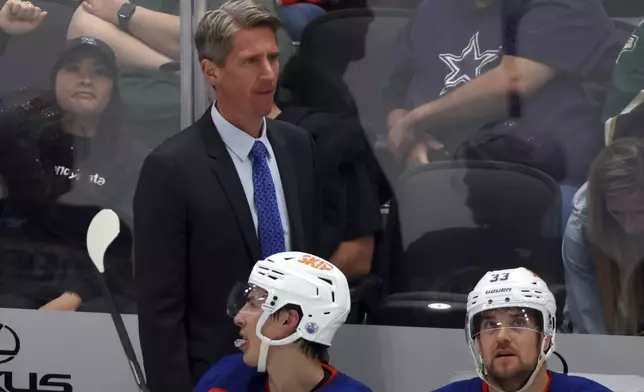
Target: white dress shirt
239	143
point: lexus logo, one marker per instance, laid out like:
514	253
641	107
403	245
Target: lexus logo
9	344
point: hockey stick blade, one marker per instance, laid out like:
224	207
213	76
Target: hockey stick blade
102	231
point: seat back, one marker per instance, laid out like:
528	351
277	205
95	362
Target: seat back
458	220
344	61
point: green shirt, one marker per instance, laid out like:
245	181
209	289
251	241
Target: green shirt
628	75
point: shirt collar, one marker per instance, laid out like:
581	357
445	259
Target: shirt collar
238	141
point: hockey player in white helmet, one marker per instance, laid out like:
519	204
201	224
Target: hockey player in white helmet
287	314
510	328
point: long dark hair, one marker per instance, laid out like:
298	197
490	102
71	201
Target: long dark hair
30	123
617	170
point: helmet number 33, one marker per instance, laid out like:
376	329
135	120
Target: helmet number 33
500	277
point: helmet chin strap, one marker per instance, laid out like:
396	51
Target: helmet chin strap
263	356
267	342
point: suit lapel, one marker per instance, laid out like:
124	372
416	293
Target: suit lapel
289	184
225	171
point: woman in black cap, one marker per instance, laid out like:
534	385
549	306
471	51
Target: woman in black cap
60	159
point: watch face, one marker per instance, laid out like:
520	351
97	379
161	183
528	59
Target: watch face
125	11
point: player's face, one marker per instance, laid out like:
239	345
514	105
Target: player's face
247	320
275	327
628	211
509	341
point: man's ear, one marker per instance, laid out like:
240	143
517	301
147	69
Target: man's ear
211	72
291	320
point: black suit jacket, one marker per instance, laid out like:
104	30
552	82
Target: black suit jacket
195	238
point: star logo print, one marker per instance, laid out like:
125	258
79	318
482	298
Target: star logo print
468	65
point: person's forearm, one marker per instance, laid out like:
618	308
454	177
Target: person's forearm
354	257
474	104
158	30
129	51
396	115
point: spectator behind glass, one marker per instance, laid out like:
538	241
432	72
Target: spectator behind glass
347	173
513	81
297	14
56	153
603	246
627	82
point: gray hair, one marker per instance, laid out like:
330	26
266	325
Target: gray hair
216	29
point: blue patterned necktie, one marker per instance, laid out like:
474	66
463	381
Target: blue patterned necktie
269	225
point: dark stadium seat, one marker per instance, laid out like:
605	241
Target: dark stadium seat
453	221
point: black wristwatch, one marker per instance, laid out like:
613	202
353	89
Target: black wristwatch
125	14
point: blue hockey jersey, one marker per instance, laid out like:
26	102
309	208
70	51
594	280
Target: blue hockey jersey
558	383
231	374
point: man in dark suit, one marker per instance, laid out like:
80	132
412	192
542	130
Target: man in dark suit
227	191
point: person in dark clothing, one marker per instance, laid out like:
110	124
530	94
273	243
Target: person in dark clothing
58	154
505	80
347	173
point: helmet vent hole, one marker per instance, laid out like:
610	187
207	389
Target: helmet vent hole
327	313
333	296
326	280
528	296
507	299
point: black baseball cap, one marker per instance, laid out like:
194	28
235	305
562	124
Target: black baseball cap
79	45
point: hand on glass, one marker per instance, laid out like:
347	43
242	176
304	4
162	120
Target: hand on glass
20	17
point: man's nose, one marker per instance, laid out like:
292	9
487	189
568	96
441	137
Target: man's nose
267	69
239	320
503	334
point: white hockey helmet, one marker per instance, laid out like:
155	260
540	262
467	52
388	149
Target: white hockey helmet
511	288
294	278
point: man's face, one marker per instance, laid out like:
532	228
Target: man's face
277	327
628	211
248	79
509	341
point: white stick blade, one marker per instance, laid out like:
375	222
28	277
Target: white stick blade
101	232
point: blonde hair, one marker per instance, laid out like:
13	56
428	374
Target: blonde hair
215	31
617	170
